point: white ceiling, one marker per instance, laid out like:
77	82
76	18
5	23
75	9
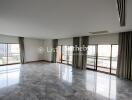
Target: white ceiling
60	18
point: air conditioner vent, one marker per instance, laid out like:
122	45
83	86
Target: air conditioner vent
98	32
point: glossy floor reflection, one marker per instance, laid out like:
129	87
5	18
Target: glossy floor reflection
9	75
46	81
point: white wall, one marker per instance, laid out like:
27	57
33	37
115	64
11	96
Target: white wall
8	39
104	39
47	47
32	49
66	41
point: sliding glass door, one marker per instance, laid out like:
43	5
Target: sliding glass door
102	58
13	53
64	54
114	59
59	54
69	54
9	53
104	53
91	57
3	54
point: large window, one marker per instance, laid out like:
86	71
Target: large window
114	58
69	54
3	54
102	58
64	54
59	55
91	56
9	53
104	53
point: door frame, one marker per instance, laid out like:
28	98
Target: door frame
7	54
96	64
62	56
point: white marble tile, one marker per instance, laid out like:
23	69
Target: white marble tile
48	81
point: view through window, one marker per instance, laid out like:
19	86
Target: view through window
3	54
64	54
102	58
103	62
59	55
99	57
91	56
9	53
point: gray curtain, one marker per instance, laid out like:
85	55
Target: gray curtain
54	53
84	44
75	62
122	11
124	67
22	50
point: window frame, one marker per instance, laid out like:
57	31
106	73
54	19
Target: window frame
96	64
96	47
67	60
7	54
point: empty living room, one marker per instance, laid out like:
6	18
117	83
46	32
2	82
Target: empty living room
65	50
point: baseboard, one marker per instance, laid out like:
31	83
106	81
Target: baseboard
28	62
47	61
33	61
37	61
9	64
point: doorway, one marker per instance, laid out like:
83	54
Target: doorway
102	58
64	54
9	53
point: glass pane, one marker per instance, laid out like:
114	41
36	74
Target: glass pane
91	57
3	54
70	60
91	50
104	52
104	62
64	54
103	69
70	54
91	61
114	58
13	53
58	59
67	53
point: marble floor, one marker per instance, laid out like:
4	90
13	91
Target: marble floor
48	81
